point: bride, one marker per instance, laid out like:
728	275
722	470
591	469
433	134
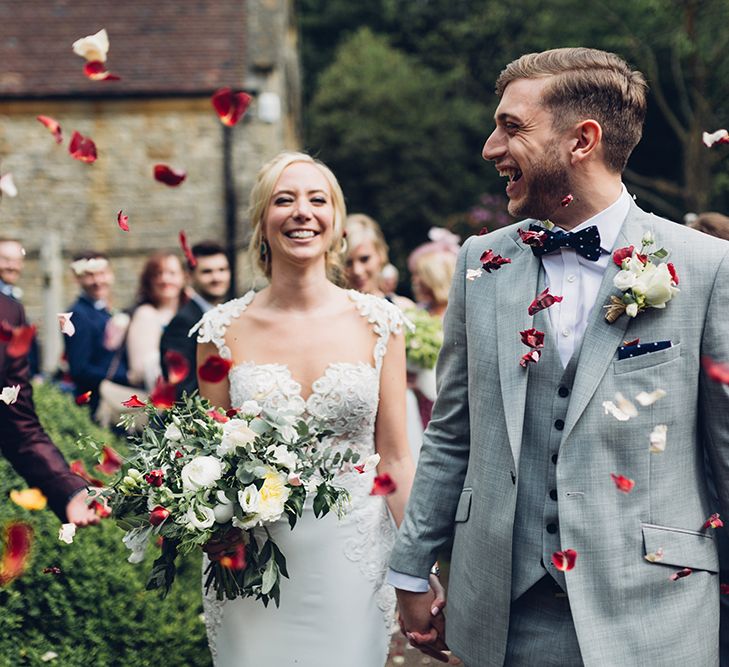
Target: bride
338	357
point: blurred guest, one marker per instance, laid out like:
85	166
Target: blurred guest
389	279
431	266
209	281
161	293
714	224
96	351
366	257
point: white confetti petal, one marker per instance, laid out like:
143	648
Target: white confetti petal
658	439
655	556
710	138
612	409
472	274
10	394
625	406
649	398
48	656
67	327
67	532
92	47
7	186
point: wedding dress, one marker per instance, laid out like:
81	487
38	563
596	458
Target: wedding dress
336	608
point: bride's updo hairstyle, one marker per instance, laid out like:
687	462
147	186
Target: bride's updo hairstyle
261	199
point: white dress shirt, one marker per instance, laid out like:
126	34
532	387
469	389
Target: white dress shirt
577	280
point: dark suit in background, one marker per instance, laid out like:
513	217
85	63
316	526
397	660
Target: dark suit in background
175	338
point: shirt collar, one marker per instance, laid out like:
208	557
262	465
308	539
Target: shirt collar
204	304
99	304
609	221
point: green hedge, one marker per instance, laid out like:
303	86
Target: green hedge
97	611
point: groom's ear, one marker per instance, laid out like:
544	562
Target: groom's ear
586	140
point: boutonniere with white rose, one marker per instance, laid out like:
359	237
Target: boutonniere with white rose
645	283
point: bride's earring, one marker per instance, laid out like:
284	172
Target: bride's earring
343	246
264	250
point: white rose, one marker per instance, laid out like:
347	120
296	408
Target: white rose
201	473
273	496
249	499
250	409
624	280
283	456
224	509
200	517
631	310
370	463
657	286
173	433
236	433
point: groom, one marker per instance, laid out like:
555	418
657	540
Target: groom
579	519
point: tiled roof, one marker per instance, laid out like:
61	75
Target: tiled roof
157	47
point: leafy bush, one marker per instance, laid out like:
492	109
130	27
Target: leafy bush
97	611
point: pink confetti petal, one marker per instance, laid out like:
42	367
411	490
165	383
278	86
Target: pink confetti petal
123	221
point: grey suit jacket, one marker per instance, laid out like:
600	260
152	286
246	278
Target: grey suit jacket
626	609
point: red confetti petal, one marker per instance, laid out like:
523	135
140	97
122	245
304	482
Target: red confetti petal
564	561
544	300
100	509
532	238
714	521
532	338
155	478
169	176
163	395
715	370
236	560
53	125
111	462
20	340
186	249
215	369
123	221
230	106
218	416
78	468
680	574
18	540
96	71
672	271
133	402
52	570
630	343
177	366
623	484
567	200
491	262
383	485
82	148
530	358
84	398
158	515
483	230
622	253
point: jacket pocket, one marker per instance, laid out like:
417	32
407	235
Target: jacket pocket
647	360
681	547
464	506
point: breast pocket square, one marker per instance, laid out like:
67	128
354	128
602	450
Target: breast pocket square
638	349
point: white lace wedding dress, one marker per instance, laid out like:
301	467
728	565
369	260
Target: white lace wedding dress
336	609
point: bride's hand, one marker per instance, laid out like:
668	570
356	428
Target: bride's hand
224	546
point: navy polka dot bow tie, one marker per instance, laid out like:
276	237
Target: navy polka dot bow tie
585	242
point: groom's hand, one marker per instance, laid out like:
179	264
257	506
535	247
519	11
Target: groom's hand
422	621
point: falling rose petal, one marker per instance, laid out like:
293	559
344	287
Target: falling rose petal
483	231
715	370
10	394
533	239
100	509
78	468
370	463
612	409
82	148
84	398
491	262
111	462
232	412
622	254
230	106
123	221
6	332
29	499
383	485
133	402
92	47
7	185
53	125
655	556
218	416
20	340
169	176
472	274
530	358
532	338
163	395
681	574
714	521
672	270
649	398
658	439
625	405
544	300
564	561
96	71
67	532
718	137
186	250
567	200
51	570
215	369
177	366
18	540
158	515
622	483
64	321
724	589
236	560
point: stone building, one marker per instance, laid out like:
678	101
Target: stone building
171	56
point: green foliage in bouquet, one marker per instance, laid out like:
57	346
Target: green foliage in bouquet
423	343
196	475
96	611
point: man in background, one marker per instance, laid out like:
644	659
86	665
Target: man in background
210	281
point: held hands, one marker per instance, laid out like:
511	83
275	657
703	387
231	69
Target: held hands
421	619
79	512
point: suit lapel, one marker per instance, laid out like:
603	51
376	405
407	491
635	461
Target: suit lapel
602	339
512	317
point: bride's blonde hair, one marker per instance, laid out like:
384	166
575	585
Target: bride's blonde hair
260	200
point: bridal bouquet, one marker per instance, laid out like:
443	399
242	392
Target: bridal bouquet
424	340
196	474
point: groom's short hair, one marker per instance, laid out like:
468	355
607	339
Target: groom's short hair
588	83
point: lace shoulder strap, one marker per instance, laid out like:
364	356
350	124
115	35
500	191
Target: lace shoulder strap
386	318
213	324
